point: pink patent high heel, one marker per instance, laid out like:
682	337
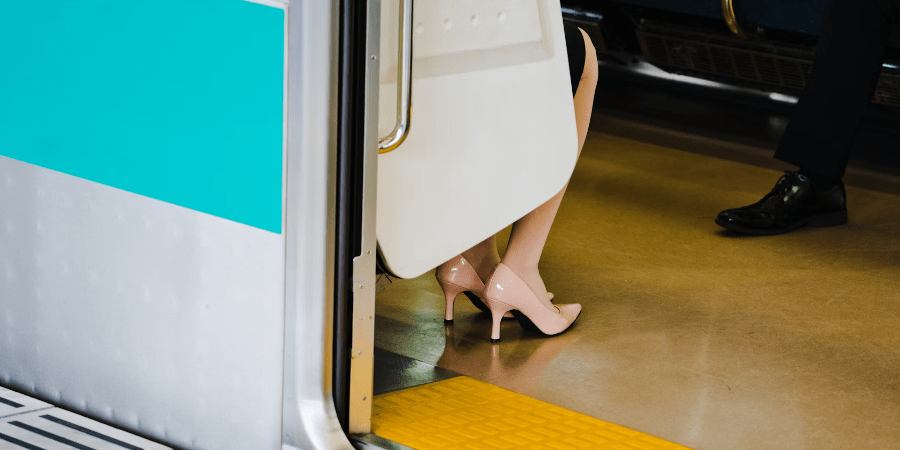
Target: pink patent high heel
507	292
457	276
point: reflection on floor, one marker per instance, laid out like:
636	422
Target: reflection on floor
704	338
396	372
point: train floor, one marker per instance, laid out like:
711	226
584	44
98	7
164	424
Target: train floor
692	334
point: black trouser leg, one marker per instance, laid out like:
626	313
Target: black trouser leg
847	65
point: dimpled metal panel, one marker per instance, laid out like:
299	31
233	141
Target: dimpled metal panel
464	413
149	316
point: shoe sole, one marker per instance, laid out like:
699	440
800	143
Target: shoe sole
477	301
527	324
478	304
822	220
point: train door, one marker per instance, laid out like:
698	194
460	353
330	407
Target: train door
167	190
465	125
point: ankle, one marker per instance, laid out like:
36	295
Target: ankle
818	181
532	277
482	263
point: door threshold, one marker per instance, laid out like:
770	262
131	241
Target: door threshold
28	423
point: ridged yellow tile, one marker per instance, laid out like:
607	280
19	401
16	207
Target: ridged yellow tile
464	413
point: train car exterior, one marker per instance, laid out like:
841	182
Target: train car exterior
187	198
166	206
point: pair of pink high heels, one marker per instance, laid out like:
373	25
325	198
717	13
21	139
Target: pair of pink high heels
503	294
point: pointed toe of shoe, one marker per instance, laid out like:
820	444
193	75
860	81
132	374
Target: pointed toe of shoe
567	315
570	311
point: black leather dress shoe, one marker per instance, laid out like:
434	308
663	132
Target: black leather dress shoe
793	203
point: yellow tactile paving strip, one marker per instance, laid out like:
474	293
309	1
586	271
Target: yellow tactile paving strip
464	413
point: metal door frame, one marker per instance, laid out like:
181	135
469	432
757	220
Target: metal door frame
363	285
355	253
309	419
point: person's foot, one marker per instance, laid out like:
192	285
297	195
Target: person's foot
506	291
794	202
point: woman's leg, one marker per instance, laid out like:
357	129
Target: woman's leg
529	234
483	257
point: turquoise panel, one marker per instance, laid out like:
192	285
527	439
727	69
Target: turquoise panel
178	100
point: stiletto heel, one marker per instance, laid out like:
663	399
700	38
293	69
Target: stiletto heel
458	276
450	292
498	310
507	292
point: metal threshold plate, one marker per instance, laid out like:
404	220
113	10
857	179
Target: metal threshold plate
26	423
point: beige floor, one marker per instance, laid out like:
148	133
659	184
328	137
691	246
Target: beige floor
691	334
